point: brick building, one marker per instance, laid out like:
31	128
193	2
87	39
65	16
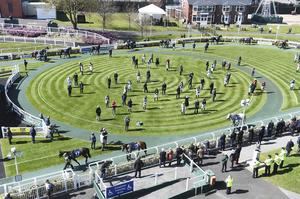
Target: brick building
206	12
11	8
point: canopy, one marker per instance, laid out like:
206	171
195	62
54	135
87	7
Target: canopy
151	10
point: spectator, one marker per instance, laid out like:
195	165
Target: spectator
179	153
224	163
93	141
251	135
138	164
237	153
229	181
32	134
232	157
261	134
200	155
104	167
162	157
223	141
9	135
240	137
114	107
282	156
7	196
233	138
98	112
103	138
270	128
49	188
25	64
170	156
289	147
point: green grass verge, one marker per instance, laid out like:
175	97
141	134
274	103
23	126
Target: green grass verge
48	93
43	153
117	21
272	62
289	176
9	47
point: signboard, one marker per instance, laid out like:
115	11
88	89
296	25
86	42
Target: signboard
119	189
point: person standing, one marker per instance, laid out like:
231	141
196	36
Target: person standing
223	141
103	138
106	101
179	152
211	87
25	64
232	157
183	108
9	135
127	122
93	141
253	72
81	69
239	61
261	134
180	69
156	94
255	168
138	77
145	88
162	157
214	94
145	103
197	105
202	82
124	97
237	153
116	75
277	162
75	78
138	164
49	188
108	82
32	133
98	112
178	92
170	156
163	88
200	155
268	163
81	87
114	108
229	182
129	104
203	104
270	128
91	68
224	163
282	156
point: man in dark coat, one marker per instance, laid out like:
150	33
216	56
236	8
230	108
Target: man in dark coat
240	136
202	82
233	138
116	75
162	157
178	92
75	77
108	82
138	164
98	113
81	87
223	141
124	97
9	135
163	88
145	88
197	105
270	128
237	153
211	87
32	134
289	147
179	152
127	122
69	90
224	163
261	134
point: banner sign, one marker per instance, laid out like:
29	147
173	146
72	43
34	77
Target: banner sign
119	189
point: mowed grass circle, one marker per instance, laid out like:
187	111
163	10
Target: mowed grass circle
48	93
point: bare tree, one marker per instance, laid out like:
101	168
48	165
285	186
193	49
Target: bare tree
130	12
71	8
142	22
105	8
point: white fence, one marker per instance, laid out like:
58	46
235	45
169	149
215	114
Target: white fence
53	31
63	181
39	124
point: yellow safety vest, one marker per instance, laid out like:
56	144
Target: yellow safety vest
229	182
277	160
282	154
256	164
268	161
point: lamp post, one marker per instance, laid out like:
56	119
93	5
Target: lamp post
244	104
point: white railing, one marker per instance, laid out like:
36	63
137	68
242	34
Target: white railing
61	31
43	40
63	181
39	124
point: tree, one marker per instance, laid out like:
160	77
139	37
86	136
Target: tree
142	22
71	8
105	8
130	12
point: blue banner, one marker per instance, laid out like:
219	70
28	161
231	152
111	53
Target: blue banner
119	189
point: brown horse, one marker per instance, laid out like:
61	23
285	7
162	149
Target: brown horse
128	148
85	152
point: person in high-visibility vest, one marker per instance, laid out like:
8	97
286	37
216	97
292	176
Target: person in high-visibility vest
282	156
268	163
277	161
229	182
255	168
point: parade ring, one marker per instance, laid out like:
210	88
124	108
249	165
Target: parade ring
48	91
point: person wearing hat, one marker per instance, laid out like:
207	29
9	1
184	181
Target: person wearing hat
162	157
282	156
138	164
93	141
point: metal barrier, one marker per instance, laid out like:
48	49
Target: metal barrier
39	124
61	31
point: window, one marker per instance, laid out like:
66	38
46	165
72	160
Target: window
195	8
206	8
240	8
226	9
194	18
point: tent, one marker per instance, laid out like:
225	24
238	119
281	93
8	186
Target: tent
152	11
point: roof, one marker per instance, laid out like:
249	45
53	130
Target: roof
151	10
219	2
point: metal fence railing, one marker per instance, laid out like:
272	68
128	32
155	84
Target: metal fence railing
39	124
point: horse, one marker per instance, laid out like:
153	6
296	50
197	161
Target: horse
247	40
85	152
215	39
236	119
128	148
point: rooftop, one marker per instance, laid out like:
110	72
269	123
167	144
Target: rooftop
219	2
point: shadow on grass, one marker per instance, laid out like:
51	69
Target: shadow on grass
136	129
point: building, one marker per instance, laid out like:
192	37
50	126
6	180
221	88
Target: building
11	8
206	12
